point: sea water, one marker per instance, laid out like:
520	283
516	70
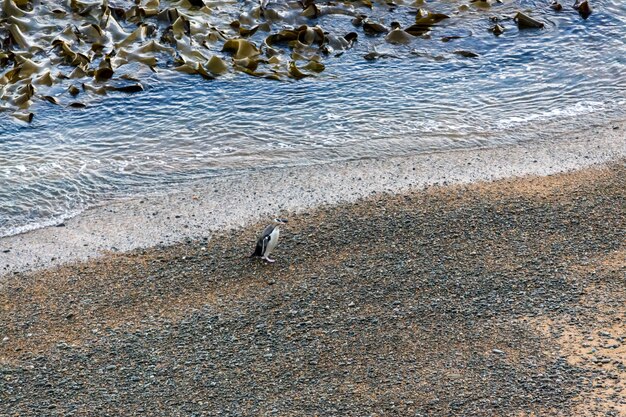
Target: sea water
525	85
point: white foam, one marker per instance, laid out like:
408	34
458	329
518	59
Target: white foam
202	209
556	114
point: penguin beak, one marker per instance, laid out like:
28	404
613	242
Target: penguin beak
281	220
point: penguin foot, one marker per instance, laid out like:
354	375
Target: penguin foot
269	260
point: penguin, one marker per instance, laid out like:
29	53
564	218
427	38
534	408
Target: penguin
268	241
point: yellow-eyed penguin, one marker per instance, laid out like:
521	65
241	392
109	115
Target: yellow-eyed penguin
268	241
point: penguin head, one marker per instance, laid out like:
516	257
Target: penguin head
280	221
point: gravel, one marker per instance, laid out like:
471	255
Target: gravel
462	300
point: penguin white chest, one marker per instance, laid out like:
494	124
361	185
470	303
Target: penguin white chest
273	241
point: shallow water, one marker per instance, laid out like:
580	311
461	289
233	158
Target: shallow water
524	85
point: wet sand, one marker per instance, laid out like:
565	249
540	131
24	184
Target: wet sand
201	210
502	298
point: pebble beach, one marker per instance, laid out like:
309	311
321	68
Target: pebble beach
502	298
453	174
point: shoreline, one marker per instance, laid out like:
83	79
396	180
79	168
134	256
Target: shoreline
200	210
502	298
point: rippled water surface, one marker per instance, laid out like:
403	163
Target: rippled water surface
524	85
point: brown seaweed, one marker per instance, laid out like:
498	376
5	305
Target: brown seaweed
526	22
52	47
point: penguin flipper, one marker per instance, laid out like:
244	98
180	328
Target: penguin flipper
264	239
260	248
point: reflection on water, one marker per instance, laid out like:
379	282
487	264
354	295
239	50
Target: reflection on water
526	85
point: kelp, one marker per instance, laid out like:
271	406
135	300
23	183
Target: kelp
241	48
73	90
24	116
104	71
555	5
424	21
133	88
53	52
497	29
374	28
51	99
526	22
216	65
399	36
583	8
466	54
